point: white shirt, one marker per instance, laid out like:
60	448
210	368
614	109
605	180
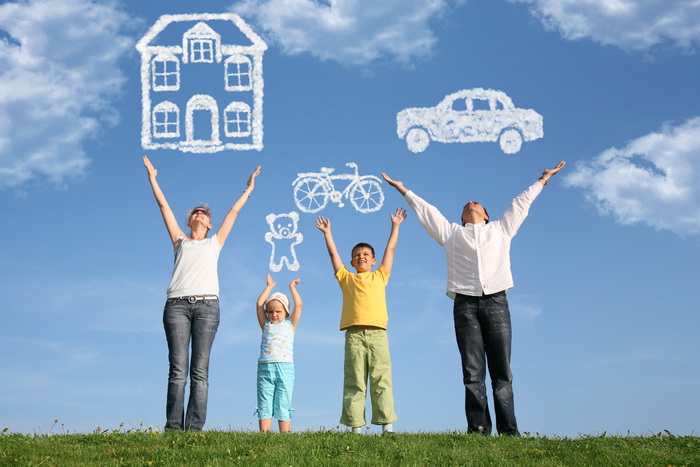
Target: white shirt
195	269
478	255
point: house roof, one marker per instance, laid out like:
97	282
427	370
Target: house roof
158	30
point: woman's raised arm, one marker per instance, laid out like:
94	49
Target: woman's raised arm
174	230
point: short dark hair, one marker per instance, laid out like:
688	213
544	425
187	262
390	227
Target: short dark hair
362	245
485	212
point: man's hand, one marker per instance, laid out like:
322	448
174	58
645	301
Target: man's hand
547	174
396	184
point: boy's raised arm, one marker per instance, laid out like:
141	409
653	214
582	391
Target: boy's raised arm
324	225
396	220
296	300
260	304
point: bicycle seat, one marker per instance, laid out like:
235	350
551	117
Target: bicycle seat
327	170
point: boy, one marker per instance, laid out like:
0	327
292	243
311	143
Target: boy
364	319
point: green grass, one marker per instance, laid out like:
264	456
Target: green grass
146	447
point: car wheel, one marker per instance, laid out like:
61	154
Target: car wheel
510	141
417	140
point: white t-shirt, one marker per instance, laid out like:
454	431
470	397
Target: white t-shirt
195	270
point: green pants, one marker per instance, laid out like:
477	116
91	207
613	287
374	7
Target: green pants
367	354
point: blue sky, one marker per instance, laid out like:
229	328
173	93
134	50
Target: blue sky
605	266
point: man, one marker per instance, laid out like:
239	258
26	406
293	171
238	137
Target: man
478	262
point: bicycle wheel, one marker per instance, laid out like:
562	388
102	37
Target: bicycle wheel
367	196
310	194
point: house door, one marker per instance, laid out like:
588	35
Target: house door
202	121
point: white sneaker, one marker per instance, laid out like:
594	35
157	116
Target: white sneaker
356	429
388	428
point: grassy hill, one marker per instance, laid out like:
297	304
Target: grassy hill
213	448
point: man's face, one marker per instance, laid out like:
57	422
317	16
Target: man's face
474	209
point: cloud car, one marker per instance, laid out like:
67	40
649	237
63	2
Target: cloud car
470	115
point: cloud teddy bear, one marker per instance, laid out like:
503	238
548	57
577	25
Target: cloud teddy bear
283	237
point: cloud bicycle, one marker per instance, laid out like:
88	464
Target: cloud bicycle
312	190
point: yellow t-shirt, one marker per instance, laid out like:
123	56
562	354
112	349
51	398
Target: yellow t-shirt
364	298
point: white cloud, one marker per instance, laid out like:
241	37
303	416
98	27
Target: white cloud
352	32
652	180
632	25
58	71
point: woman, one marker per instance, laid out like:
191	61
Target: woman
192	309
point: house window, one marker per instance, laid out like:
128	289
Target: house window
166	73
202	50
237	70
166	120
237	119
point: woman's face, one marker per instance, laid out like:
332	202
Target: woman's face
200	215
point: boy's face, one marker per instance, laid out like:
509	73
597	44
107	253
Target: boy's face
275	311
363	259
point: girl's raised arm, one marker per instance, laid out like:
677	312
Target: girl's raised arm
296	300
260	305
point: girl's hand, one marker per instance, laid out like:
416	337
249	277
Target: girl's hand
294	283
270	282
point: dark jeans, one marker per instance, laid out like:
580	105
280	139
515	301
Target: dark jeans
198	322
482	327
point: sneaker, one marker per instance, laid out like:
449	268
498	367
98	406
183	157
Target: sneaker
388	428
356	429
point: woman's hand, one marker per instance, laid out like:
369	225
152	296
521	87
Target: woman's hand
152	172
251	179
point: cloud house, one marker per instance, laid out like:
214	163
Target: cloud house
202	84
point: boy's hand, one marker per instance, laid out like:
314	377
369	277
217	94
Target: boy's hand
270	282
294	283
399	217
323	224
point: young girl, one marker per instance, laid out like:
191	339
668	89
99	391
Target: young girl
276	363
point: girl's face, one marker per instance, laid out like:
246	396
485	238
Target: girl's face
275	311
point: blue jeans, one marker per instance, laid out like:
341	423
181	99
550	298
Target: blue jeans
482	327
198	322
